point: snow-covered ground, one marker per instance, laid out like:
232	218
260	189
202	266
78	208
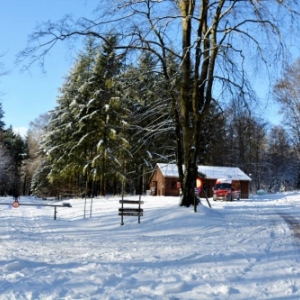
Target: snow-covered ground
247	249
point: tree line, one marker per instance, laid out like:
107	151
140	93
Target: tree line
113	122
13	152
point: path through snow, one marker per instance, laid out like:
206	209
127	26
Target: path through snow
236	250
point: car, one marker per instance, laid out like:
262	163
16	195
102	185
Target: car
227	190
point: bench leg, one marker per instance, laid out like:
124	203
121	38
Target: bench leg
55	212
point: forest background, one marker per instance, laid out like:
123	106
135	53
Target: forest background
114	118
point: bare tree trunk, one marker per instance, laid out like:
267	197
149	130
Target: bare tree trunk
196	87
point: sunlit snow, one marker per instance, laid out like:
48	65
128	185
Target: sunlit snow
247	249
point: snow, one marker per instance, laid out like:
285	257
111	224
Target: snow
210	172
246	249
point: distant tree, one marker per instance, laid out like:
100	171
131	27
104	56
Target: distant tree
297	183
2	123
6	163
6	171
245	145
17	149
35	158
282	160
287	95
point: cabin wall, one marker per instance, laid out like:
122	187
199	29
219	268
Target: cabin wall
161	186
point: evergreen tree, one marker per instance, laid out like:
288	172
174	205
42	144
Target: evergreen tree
151	130
2	124
17	149
83	132
64	131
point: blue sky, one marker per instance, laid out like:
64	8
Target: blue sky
25	96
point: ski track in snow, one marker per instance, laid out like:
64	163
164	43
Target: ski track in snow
244	249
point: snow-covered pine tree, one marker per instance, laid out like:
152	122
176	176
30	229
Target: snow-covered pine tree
105	113
84	134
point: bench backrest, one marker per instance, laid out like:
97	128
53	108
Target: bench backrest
131	211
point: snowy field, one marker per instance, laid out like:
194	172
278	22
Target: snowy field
247	249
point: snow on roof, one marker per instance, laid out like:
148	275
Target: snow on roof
223	172
211	172
168	170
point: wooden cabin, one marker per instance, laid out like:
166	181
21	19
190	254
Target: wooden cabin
164	180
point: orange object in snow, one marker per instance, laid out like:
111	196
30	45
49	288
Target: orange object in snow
198	183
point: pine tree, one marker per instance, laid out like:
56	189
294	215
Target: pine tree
17	148
2	124
83	135
152	130
104	118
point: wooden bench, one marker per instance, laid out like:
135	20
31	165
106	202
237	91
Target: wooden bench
131	211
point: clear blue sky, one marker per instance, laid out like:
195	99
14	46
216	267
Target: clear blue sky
25	96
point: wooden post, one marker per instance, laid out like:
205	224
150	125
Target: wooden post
195	203
55	212
122	223
86	187
206	198
139	209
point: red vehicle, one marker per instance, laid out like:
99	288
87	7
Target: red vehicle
227	190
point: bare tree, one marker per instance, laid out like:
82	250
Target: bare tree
35	159
287	94
282	161
216	42
2	68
